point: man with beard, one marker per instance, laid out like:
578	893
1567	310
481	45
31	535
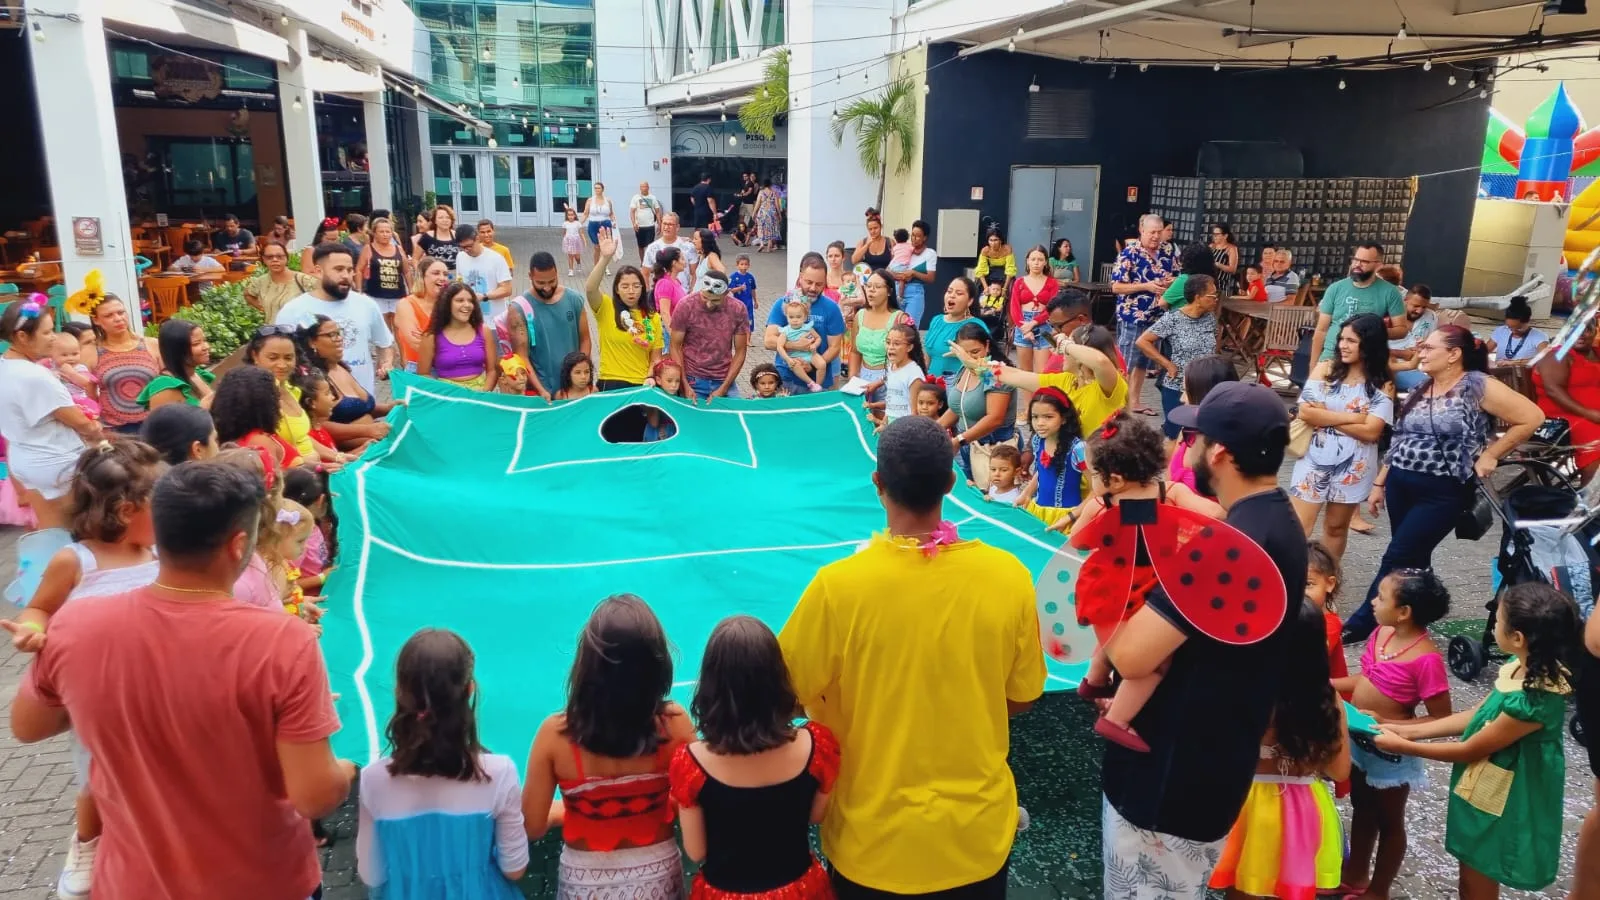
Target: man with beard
1362	292
710	337
826	318
559	323
359	316
1168	812
1421	320
669	238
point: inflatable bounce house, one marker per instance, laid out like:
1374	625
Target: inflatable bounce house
1553	158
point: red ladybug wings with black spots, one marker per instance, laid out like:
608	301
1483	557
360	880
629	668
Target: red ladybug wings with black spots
1217	577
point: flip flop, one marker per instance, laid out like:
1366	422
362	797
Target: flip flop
1142	411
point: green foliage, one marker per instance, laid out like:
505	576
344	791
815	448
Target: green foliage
228	320
888	118
770	99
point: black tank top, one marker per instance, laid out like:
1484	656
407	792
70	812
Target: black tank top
877	260
761	835
384	279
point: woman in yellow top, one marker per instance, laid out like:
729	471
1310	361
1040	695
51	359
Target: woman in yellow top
274	350
1090	380
997	264
629	327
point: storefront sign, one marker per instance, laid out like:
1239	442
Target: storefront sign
86	235
183	79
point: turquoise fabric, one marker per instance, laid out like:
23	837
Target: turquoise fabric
441	856
507	519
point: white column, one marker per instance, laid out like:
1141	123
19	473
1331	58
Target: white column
622	69
827	188
300	162
72	83
373	114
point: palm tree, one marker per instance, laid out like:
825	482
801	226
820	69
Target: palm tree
890	117
770	98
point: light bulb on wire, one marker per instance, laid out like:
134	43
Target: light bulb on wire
733	141
1427	65
622	142
1472	83
1011	46
1452	79
1144	67
296	105
1341	84
1216	67
1401	34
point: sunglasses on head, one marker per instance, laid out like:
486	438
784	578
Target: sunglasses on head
270	330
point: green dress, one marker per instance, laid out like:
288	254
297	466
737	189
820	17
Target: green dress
165	382
1505	812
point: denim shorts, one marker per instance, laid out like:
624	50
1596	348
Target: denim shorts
1040	341
1128	346
594	227
704	387
1384	773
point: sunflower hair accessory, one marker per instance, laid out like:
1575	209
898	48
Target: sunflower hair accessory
86	301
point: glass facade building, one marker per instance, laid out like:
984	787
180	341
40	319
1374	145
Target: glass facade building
528	69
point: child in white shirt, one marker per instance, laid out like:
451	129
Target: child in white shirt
903	376
1005	469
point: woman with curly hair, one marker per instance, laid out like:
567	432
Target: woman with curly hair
1287	841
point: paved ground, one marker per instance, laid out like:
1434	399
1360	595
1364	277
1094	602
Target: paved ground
1054	754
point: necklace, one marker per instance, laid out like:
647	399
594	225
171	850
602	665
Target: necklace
183	590
1383	649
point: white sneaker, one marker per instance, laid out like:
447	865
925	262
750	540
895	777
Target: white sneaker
1022	820
570	273
76	874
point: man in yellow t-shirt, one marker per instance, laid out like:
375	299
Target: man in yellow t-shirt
486	238
916	658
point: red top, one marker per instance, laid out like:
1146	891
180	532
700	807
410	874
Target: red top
321	436
1337	667
291	456
1022	294
1256	290
605	813
688	777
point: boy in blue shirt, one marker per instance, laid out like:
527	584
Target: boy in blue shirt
743	287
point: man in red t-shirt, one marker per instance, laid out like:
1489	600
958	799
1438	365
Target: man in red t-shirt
207	720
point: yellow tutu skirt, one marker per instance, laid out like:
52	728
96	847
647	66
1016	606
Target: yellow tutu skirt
1046	514
1287	842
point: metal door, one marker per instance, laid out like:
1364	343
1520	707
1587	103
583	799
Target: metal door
1050	203
456	182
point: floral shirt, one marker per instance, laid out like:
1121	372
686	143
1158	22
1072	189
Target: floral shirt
1421	328
1136	265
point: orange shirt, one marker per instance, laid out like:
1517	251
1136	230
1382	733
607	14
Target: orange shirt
422	312
181	703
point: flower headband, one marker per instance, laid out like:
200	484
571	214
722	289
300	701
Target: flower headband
86	301
32	307
288	517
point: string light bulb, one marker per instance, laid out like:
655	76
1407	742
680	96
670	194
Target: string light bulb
733	141
1483	93
1216	67
926	89
723	117
1341	84
283	20
38	33
1401	34
1452	79
602	90
1472	83
1427	65
588	62
296	105
622	142
1011	45
1144	67
493	143
1033	86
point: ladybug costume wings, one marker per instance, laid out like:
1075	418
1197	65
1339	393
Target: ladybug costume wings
1218	579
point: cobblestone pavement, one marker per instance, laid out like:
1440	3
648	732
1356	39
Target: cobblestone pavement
1055	757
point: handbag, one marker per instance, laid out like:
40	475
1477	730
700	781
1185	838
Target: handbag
1477	515
1300	432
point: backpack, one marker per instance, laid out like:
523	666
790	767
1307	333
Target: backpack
502	330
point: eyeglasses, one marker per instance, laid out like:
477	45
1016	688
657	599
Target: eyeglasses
270	330
1366	262
335	335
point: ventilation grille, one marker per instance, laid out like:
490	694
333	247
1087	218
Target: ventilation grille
1060	115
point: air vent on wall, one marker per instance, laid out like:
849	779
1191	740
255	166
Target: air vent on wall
1060	115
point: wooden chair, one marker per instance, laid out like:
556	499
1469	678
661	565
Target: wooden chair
1286	325
177	236
166	293
1105	272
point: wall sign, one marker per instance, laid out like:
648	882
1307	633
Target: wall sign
86	235
977	193
1133	195
189	80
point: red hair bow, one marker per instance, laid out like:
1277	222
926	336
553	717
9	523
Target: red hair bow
1109	431
937	382
268	466
330	222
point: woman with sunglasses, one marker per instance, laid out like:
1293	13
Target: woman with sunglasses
357	413
270	290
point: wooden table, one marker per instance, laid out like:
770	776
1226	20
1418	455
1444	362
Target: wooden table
1244	327
30	284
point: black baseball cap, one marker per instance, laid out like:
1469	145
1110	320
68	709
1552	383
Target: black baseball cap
1245	417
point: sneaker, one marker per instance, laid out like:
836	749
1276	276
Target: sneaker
570	273
1022	819
75	875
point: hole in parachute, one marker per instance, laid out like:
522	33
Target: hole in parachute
640	423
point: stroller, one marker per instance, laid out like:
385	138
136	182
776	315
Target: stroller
1549	535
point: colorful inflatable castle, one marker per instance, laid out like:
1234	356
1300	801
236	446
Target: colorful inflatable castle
1547	154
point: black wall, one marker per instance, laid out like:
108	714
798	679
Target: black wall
1385	124
27	190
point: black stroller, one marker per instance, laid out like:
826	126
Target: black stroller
1550	532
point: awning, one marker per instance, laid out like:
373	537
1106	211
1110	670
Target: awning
441	106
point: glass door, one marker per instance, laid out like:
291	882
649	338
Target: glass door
505	197
562	190
525	185
456	182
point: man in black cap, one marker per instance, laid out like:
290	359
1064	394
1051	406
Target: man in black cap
1172	808
710	337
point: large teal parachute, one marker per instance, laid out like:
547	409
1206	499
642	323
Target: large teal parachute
507	519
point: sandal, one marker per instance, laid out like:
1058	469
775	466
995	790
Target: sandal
1142	411
1121	735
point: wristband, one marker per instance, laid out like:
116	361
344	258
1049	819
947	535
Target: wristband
33	625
